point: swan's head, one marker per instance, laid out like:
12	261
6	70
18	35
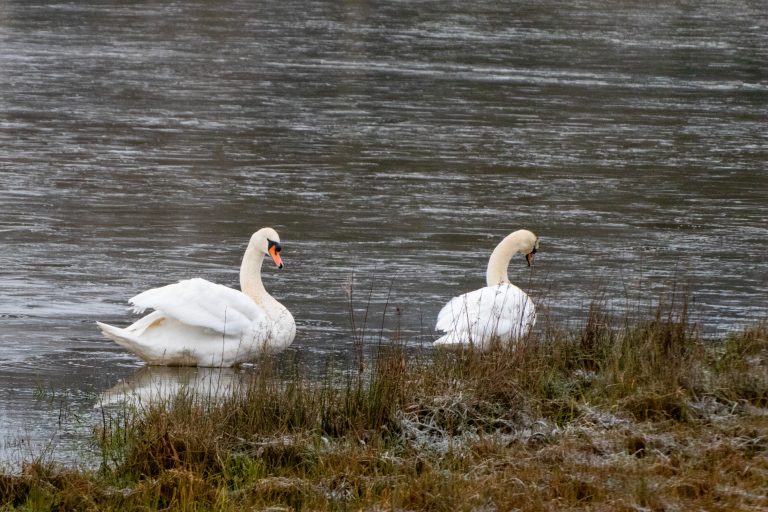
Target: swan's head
267	241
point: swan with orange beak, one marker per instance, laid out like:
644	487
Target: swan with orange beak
199	323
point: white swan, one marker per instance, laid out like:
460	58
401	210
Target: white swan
199	323
500	311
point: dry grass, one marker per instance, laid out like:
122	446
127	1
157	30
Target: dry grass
643	416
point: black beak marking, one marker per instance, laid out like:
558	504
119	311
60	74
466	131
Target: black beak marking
276	245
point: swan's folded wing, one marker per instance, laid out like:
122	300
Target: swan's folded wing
454	317
502	311
515	312
200	302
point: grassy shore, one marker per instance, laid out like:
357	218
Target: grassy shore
619	415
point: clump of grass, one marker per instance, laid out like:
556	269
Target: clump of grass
741	369
621	415
650	367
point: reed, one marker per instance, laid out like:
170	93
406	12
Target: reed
624	414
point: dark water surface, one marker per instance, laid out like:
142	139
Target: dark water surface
143	142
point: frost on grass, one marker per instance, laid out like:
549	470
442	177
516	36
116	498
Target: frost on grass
644	418
451	422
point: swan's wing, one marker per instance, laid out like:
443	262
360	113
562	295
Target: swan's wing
503	311
202	303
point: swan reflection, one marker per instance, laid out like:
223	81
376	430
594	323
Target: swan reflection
161	383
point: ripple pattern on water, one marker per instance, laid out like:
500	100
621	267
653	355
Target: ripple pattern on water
396	143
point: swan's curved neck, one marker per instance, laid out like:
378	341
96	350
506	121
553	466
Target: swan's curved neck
250	276
500	257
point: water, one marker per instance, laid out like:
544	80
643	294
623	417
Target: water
391	144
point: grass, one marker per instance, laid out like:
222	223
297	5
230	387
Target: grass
619	415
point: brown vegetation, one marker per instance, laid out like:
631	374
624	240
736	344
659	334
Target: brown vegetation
645	416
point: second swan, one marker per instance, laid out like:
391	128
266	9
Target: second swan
500	311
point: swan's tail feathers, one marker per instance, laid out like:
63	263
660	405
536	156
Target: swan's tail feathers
442	340
450	340
118	335
129	339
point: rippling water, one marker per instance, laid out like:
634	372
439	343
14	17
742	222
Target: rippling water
141	143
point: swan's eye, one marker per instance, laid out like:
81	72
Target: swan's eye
533	251
276	245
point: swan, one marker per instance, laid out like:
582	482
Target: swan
500	311
199	323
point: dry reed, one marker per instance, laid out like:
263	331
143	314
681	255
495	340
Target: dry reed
627	415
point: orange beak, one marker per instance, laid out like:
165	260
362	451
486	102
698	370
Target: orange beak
276	256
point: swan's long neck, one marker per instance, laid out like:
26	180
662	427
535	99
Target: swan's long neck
250	277
500	257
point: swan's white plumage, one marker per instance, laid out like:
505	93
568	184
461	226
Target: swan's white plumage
201	303
498	312
502	312
199	323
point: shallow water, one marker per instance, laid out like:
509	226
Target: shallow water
391	145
